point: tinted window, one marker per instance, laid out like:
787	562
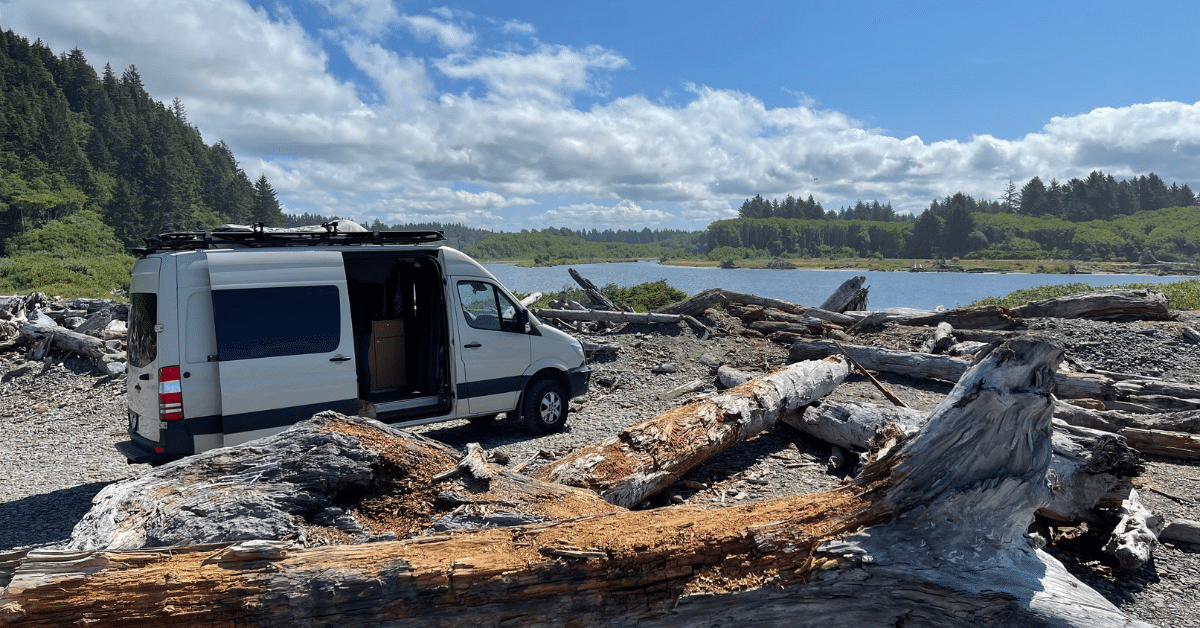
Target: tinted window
270	322
485	307
143	316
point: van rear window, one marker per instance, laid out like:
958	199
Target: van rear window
143	340
270	322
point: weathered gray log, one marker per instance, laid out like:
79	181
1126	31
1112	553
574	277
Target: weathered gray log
1129	384
598	299
1088	464
936	537
533	297
1103	305
39	326
849	296
95	324
475	463
607	316
940	340
1132	541
599	347
285	486
696	304
1181	531
646	457
924	366
1115	421
1190	334
690	387
1159	443
790	308
985	317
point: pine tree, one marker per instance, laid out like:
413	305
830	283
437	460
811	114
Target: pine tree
266	207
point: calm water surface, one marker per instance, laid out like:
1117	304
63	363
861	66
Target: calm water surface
807	287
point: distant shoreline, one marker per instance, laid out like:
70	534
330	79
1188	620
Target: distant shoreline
1041	267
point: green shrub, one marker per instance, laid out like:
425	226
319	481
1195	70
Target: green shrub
1183	295
75	256
644	297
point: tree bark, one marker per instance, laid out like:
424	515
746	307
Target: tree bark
296	485
931	533
696	304
648	456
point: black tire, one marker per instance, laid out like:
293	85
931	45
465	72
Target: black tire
482	421
545	407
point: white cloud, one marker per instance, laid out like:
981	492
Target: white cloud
518	28
514	135
624	215
448	35
363	17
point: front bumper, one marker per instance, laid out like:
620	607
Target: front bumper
577	379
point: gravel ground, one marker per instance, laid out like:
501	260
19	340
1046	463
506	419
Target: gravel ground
60	420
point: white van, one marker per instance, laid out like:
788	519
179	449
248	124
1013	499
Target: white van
237	334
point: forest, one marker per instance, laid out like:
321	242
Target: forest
1096	219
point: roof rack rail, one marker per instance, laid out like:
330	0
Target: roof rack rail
264	237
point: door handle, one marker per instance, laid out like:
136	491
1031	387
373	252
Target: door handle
473	345
340	358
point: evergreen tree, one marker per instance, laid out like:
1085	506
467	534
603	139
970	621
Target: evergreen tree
266	207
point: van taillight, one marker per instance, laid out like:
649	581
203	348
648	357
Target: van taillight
170	397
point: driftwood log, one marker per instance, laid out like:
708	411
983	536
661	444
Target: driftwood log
608	316
1103	305
790	308
1088	465
851	295
294	486
932	533
533	297
598	299
39	328
696	304
925	366
646	457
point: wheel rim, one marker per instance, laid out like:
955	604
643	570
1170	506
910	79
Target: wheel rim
550	407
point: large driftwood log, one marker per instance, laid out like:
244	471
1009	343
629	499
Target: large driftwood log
39	327
790	308
1088	465
985	317
1103	305
932	534
598	299
646	457
608	316
925	366
851	295
696	304
295	485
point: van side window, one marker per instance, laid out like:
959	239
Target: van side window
271	322
485	307
143	340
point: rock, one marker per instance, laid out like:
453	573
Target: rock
1181	531
666	367
114	368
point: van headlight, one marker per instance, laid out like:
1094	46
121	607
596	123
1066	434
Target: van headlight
578	347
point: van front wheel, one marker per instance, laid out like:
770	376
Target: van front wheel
545	408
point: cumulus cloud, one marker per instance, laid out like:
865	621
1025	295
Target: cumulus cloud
624	215
493	135
449	35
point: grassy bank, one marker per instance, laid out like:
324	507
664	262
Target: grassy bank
1184	295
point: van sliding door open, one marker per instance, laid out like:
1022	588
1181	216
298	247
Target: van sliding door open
285	350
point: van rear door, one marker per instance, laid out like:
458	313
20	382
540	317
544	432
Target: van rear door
284	342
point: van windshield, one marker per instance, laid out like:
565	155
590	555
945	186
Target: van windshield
143	340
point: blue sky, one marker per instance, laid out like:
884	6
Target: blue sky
512	115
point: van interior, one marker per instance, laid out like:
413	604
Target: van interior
398	314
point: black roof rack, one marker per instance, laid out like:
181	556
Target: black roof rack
261	237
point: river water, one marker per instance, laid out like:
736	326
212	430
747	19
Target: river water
923	291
